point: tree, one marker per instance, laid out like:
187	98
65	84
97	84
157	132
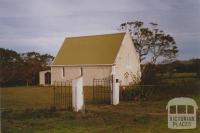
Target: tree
151	42
21	69
9	61
33	64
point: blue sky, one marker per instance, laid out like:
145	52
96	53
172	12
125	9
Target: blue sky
42	25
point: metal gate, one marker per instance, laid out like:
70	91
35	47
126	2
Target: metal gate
102	90
62	95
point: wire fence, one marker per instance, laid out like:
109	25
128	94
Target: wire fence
158	92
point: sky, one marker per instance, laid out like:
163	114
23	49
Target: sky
42	25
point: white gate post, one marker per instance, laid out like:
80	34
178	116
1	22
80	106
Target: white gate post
77	94
115	88
115	93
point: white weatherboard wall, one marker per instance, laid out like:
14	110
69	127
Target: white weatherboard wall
71	72
127	61
77	94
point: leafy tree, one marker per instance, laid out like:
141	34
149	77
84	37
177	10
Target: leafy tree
151	42
9	61
21	69
33	64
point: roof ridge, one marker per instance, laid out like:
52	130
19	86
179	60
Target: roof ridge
91	35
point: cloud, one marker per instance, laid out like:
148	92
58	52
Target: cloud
42	25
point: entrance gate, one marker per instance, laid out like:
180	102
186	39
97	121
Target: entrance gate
102	90
62	95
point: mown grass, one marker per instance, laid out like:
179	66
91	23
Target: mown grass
26	97
26	110
20	98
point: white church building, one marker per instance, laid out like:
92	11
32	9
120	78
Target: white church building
99	56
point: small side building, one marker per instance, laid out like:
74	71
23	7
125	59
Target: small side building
45	77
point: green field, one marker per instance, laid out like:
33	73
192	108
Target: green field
25	110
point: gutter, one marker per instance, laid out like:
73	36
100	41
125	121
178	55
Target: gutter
82	65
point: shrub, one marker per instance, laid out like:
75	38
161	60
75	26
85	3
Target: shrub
149	75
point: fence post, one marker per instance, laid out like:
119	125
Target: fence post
77	94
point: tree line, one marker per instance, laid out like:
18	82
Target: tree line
188	66
22	68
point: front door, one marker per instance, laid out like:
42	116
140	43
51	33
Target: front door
48	78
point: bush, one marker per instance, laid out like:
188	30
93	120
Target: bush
149	75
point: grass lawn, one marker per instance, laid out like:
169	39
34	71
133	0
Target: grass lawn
25	111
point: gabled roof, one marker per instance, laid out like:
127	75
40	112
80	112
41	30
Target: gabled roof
89	50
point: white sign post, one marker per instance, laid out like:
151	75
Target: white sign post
77	94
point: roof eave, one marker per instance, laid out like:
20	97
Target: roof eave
82	65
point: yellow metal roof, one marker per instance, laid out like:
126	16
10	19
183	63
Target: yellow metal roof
96	49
